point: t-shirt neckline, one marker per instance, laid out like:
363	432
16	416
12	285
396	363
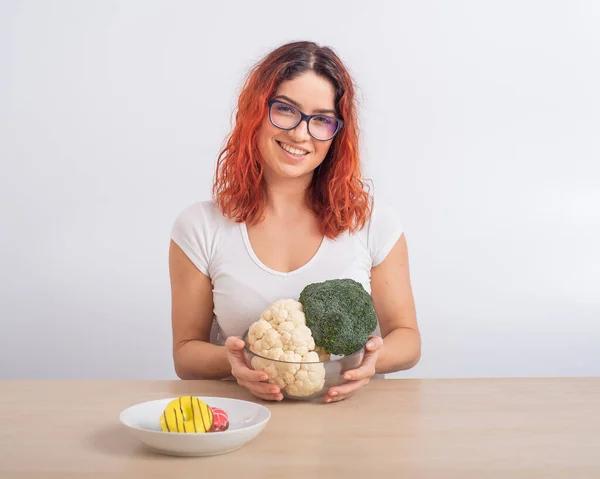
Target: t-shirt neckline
260	264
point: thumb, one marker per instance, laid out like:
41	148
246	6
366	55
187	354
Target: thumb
233	343
235	355
373	344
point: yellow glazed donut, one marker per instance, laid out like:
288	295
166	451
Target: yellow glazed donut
186	414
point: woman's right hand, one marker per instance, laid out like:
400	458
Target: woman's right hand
246	377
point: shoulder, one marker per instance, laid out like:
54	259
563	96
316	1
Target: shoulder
383	228
194	230
199	214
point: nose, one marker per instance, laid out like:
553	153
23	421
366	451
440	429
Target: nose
300	133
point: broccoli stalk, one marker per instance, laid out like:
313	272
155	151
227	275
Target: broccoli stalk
340	314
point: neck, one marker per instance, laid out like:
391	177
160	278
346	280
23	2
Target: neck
287	195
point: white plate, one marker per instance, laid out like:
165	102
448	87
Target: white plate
246	421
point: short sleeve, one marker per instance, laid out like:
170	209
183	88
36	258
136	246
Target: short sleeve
193	231
385	228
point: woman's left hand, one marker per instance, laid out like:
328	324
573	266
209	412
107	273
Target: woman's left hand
360	376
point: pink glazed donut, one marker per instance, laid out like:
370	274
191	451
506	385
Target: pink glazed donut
220	420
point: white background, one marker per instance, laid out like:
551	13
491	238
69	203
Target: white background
480	121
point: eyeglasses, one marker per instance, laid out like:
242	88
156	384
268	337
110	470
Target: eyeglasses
288	117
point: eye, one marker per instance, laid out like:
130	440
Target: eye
323	120
283	109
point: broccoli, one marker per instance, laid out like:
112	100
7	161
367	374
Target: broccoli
340	314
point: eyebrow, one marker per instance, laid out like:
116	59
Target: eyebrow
289	100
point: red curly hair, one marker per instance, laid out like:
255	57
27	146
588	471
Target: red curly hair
337	194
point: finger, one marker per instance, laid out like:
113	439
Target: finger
237	360
367	367
260	388
268	392
374	343
329	399
233	343
364	371
243	373
270	397
348	388
267	397
235	354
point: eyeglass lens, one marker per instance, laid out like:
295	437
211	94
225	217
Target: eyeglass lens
288	117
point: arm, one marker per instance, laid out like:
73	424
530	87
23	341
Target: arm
191	317
394	303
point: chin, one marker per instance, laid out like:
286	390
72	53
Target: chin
287	171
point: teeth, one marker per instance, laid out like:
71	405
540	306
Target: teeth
293	151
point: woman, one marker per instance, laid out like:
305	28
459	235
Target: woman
290	208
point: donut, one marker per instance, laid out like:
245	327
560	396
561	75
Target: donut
220	420
186	414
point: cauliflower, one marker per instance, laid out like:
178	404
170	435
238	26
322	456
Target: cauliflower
281	333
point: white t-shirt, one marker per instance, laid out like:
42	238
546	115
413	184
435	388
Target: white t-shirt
243	287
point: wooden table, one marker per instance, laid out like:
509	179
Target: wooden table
444	429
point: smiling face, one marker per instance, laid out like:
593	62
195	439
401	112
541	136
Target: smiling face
294	153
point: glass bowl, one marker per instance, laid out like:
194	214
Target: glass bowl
303	380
